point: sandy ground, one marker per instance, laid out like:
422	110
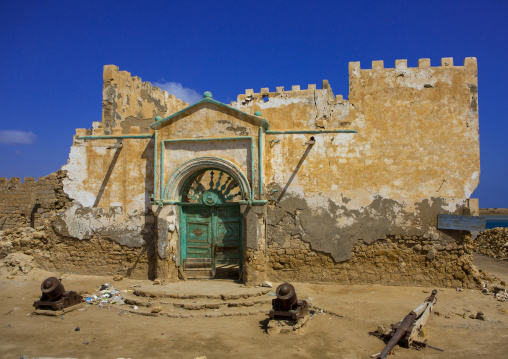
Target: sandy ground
355	311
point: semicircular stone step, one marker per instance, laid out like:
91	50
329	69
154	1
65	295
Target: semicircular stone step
212	289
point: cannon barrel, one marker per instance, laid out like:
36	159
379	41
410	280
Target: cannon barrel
399	333
53	288
287	295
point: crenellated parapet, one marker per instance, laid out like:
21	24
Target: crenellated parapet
296	91
299	108
129	101
424	75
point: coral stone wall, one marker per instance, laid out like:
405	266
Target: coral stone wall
32	202
128	101
98	255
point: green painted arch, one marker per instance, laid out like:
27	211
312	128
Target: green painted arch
182	173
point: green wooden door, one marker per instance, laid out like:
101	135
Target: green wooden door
211	226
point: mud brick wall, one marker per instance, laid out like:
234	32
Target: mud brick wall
32	202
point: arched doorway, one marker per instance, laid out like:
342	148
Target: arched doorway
211	225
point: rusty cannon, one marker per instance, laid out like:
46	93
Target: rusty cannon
406	332
287	305
55	297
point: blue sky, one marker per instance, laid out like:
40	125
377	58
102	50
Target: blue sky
53	52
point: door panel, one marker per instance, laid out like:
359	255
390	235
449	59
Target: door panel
212	237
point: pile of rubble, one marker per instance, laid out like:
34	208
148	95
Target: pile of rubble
493	243
499	292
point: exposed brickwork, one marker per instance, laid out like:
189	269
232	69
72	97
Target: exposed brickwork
32	202
94	256
395	260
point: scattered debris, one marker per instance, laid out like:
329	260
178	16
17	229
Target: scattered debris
499	292
267	284
106	295
479	316
156	309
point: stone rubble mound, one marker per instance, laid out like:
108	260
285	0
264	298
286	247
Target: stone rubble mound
493	243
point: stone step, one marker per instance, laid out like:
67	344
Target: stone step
198	303
205	291
173	312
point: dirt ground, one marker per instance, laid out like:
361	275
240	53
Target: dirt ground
342	331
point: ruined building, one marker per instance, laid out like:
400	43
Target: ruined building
296	184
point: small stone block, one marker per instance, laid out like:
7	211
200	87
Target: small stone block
354	65
98	132
178	101
447	61
401	64
172	97
249	92
280	89
295	88
136	78
80	132
424	63
117	131
240	98
311	87
134	130
264	91
325	85
109	72
125	73
339	98
185	104
470	62
378	64
28	180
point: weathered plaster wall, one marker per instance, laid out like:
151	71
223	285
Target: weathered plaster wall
356	207
298	109
416	155
110	182
210	121
127	101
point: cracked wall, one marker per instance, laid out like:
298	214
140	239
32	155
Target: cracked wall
333	202
128	101
416	155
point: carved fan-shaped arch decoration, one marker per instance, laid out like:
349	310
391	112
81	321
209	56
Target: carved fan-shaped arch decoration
211	187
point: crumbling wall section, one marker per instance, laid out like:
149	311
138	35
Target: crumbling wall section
96	256
415	155
393	260
298	109
31	203
128	101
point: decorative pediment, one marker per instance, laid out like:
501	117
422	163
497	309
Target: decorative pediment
208	102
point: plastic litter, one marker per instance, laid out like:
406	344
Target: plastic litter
105	296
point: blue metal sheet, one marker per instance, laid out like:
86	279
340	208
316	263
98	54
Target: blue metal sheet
464	223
